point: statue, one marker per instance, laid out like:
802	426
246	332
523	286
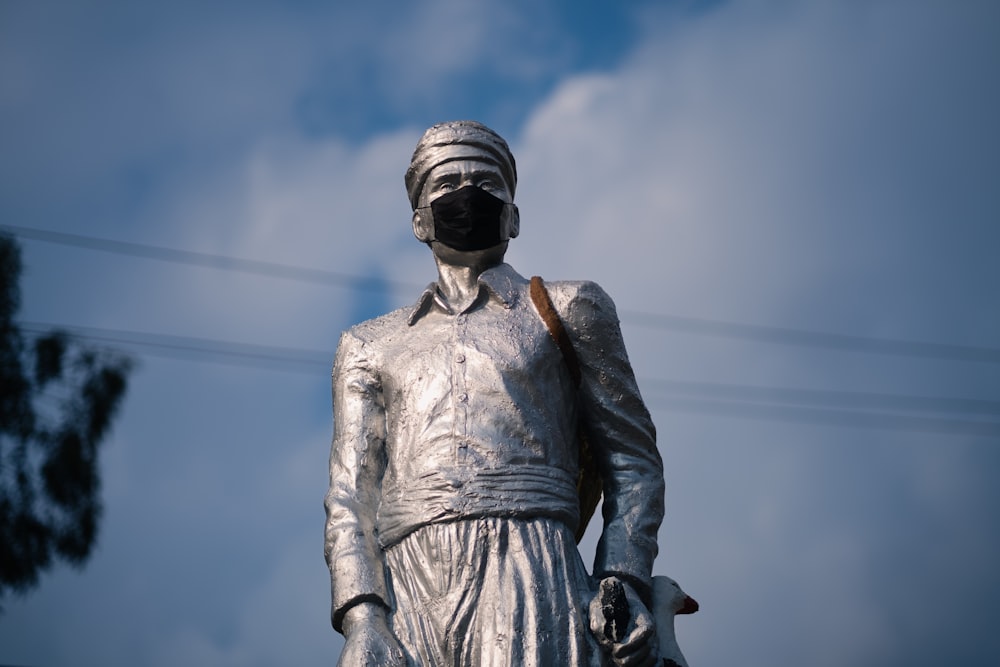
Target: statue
473	434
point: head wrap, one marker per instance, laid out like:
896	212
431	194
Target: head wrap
457	140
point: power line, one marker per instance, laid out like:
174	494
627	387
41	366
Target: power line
199	349
823	397
690	325
849	418
225	263
803	337
839	408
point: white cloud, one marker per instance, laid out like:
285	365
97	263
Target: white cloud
734	168
757	165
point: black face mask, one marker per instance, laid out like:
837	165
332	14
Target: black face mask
468	219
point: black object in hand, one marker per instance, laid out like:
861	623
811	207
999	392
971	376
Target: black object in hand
614	606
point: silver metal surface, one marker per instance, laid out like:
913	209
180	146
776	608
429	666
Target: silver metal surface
454	461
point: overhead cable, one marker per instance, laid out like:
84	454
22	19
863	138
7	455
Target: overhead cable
229	352
223	262
842	408
833	417
691	325
865	400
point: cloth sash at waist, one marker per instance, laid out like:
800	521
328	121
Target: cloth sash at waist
452	494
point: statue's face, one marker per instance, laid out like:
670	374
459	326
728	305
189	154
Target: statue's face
466	170
456	174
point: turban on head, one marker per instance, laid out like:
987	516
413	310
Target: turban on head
457	140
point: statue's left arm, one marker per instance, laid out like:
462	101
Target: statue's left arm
623	437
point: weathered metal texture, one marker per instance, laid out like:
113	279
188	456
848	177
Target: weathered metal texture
452	497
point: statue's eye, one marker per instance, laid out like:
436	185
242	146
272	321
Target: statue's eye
446	187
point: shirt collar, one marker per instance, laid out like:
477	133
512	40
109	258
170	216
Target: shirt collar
501	282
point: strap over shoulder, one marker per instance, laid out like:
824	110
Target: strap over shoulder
589	484
543	303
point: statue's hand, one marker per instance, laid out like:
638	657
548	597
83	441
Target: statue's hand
369	640
639	647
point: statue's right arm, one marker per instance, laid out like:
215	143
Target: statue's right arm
357	463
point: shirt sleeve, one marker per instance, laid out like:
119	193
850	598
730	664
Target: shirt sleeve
357	463
624	438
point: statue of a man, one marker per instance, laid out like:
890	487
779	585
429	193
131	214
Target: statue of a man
454	499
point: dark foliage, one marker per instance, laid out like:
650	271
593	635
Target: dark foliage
57	401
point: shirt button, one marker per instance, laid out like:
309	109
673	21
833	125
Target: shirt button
460	358
463	398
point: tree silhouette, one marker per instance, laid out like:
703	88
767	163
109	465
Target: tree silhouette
57	400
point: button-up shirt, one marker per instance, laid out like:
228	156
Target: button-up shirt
443	415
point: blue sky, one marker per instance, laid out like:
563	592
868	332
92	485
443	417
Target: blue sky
733	173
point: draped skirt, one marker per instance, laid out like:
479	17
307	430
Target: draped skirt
492	592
